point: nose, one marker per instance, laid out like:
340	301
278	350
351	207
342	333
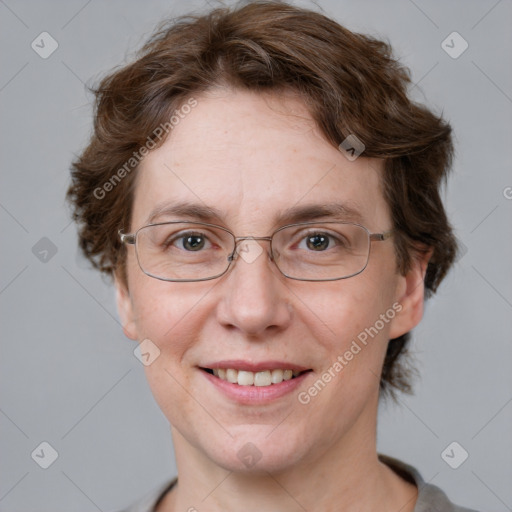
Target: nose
255	299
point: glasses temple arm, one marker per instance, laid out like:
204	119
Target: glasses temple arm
127	238
379	237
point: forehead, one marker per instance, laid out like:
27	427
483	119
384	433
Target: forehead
254	160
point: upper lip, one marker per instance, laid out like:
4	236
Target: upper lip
250	366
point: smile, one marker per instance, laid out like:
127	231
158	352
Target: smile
249	383
247	378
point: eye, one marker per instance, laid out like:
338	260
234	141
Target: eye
193	242
320	241
189	241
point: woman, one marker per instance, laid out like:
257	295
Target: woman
266	197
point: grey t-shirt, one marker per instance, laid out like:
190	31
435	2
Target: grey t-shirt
430	497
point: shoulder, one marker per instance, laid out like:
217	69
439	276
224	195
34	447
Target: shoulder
149	501
430	497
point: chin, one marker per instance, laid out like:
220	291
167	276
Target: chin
254	451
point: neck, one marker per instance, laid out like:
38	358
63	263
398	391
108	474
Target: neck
346	477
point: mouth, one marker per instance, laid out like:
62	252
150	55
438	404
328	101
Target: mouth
254	383
264	378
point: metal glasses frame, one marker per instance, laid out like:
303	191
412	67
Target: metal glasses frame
131	239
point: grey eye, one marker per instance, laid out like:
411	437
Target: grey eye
193	242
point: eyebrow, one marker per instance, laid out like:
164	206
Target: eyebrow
297	213
310	212
183	209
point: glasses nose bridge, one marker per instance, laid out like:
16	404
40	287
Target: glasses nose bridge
238	239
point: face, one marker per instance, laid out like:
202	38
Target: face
252	157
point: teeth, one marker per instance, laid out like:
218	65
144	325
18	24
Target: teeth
232	376
245	378
264	378
277	376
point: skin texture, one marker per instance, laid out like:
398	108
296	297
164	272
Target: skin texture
252	156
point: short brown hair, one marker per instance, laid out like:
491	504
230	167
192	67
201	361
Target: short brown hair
351	84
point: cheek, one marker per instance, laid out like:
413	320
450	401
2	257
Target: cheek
162	311
353	318
354	347
168	316
343	309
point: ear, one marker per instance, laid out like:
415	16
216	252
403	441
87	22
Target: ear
410	296
125	309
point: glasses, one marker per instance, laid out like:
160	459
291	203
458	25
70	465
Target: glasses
196	251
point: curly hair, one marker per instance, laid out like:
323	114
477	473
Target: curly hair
351	84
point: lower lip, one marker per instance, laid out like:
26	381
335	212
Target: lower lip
255	394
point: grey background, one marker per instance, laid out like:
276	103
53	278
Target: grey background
68	375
